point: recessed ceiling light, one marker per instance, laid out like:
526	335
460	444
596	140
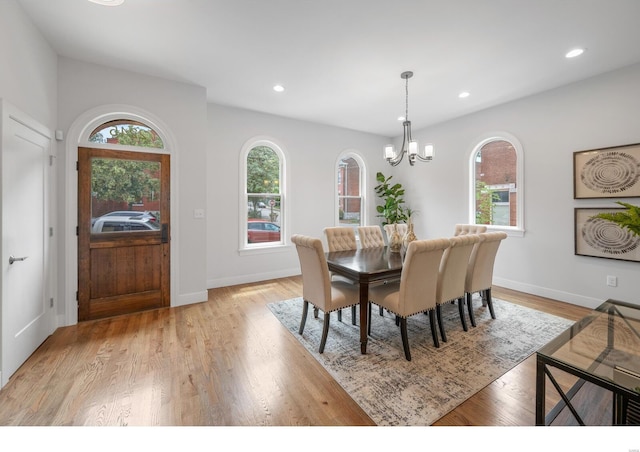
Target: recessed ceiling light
108	2
574	53
278	88
463	94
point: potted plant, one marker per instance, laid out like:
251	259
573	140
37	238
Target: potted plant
629	218
392	210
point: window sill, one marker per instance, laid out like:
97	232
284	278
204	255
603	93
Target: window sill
264	249
510	230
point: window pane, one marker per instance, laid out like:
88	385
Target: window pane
126	132
349	199
495	182
125	195
263	196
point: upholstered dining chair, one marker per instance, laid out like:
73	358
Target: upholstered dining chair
370	236
415	293
317	287
452	277
463	229
341	238
388	229
480	270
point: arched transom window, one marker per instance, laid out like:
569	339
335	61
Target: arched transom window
126	132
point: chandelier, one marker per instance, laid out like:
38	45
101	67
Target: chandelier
409	146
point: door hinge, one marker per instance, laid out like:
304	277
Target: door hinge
77	230
51	302
77	165
77	296
50	232
51	157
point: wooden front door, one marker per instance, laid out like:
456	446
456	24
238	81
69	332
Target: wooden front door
123	232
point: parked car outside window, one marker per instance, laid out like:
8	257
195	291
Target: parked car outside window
124	224
262	231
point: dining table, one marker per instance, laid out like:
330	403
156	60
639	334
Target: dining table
366	266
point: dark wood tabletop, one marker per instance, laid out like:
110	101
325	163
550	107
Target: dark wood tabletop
365	266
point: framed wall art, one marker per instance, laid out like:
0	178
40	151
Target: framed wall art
607	173
596	237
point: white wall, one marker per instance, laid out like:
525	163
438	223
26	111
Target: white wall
181	108
28	78
312	152
595	113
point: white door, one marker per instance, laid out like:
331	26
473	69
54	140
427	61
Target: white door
26	312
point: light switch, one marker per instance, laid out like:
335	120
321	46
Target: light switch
198	213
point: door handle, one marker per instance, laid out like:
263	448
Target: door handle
16	259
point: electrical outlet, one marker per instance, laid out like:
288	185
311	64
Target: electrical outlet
612	281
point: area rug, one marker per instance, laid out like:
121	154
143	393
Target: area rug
394	391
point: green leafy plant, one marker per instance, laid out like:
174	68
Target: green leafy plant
629	218
392	210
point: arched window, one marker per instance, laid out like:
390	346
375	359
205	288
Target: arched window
349	190
263	196
126	132
496	184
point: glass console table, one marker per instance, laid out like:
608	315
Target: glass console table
602	349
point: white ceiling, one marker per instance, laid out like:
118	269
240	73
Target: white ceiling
340	60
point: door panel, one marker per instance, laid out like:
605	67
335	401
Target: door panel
27	315
123	200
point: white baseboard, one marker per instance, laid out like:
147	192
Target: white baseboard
586	302
191	298
254	277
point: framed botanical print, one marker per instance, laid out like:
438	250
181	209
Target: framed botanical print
597	237
607	173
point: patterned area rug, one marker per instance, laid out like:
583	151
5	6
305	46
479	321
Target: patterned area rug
394	391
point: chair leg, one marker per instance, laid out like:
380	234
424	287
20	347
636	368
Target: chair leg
315	312
434	332
490	303
353	315
461	311
472	319
405	339
441	323
369	319
305	309
381	311
325	331
339	315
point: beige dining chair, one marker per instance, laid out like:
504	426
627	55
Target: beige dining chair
480	271
341	238
463	229
317	287
452	277
415	293
388	230
370	236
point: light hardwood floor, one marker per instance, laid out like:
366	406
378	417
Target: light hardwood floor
226	362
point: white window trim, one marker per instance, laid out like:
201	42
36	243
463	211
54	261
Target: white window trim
243	247
518	230
350	153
